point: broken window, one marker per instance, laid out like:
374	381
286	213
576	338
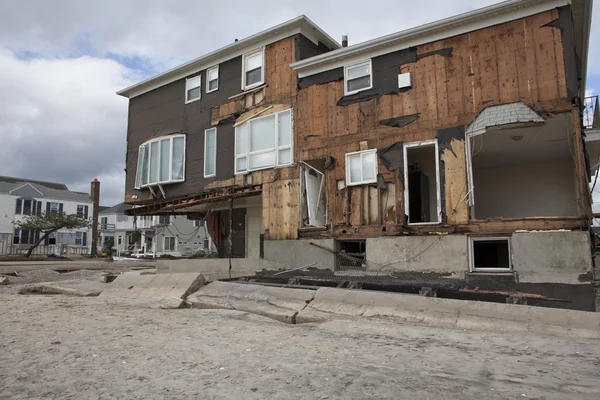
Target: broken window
264	142
358	77
490	254
192	89
361	167
351	254
314	204
212	79
253	74
161	161
523	170
421	176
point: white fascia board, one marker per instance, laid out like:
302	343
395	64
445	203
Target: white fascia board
458	25
301	25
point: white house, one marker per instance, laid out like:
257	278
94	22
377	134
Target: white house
161	234
19	197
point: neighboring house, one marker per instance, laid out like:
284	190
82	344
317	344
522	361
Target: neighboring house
19	197
152	234
457	147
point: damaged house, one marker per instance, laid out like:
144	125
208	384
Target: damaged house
457	148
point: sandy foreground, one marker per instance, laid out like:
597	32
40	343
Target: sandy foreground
78	348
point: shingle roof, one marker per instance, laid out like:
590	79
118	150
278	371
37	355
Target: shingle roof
53	190
117	209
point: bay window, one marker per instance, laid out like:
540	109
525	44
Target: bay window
264	142
161	161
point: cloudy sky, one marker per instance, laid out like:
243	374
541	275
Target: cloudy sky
62	61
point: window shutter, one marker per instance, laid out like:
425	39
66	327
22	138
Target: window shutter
47	207
39	207
85	212
18	208
47	240
60	207
84	242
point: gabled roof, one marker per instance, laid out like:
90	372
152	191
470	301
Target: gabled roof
51	190
117	209
301	24
457	25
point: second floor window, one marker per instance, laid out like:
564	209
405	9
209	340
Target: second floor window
164	219
264	142
253	73
82	211
54	208
161	161
210	152
103	222
192	89
212	79
358	77
28	206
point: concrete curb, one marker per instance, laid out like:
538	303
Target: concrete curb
169	290
460	314
277	303
73	287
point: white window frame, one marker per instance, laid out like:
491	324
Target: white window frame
471	254
165	242
424	143
138	174
360	154
208	71
276	149
262	69
188	88
214	151
358	64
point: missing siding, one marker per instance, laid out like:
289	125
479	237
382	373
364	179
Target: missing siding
445	137
392	156
445	52
400	122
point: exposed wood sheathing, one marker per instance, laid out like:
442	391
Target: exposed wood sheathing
517	61
281	209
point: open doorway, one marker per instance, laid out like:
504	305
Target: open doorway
314	202
421	177
523	170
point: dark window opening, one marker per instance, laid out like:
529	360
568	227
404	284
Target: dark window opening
491	254
422	184
351	254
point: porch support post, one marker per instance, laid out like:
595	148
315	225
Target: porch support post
583	188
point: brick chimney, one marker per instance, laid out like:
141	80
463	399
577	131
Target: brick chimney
95	194
344	40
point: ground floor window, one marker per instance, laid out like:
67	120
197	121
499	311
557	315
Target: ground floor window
25	236
490	254
80	238
169	243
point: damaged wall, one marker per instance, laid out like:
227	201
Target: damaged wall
163	111
536	190
453	80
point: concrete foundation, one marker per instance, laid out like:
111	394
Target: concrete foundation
296	253
216	268
444	254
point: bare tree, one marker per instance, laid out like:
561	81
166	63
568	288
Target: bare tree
47	223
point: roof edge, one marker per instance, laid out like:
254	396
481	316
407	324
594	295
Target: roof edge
301	24
427	33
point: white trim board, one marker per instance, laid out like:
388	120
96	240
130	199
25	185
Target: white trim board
301	24
457	25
